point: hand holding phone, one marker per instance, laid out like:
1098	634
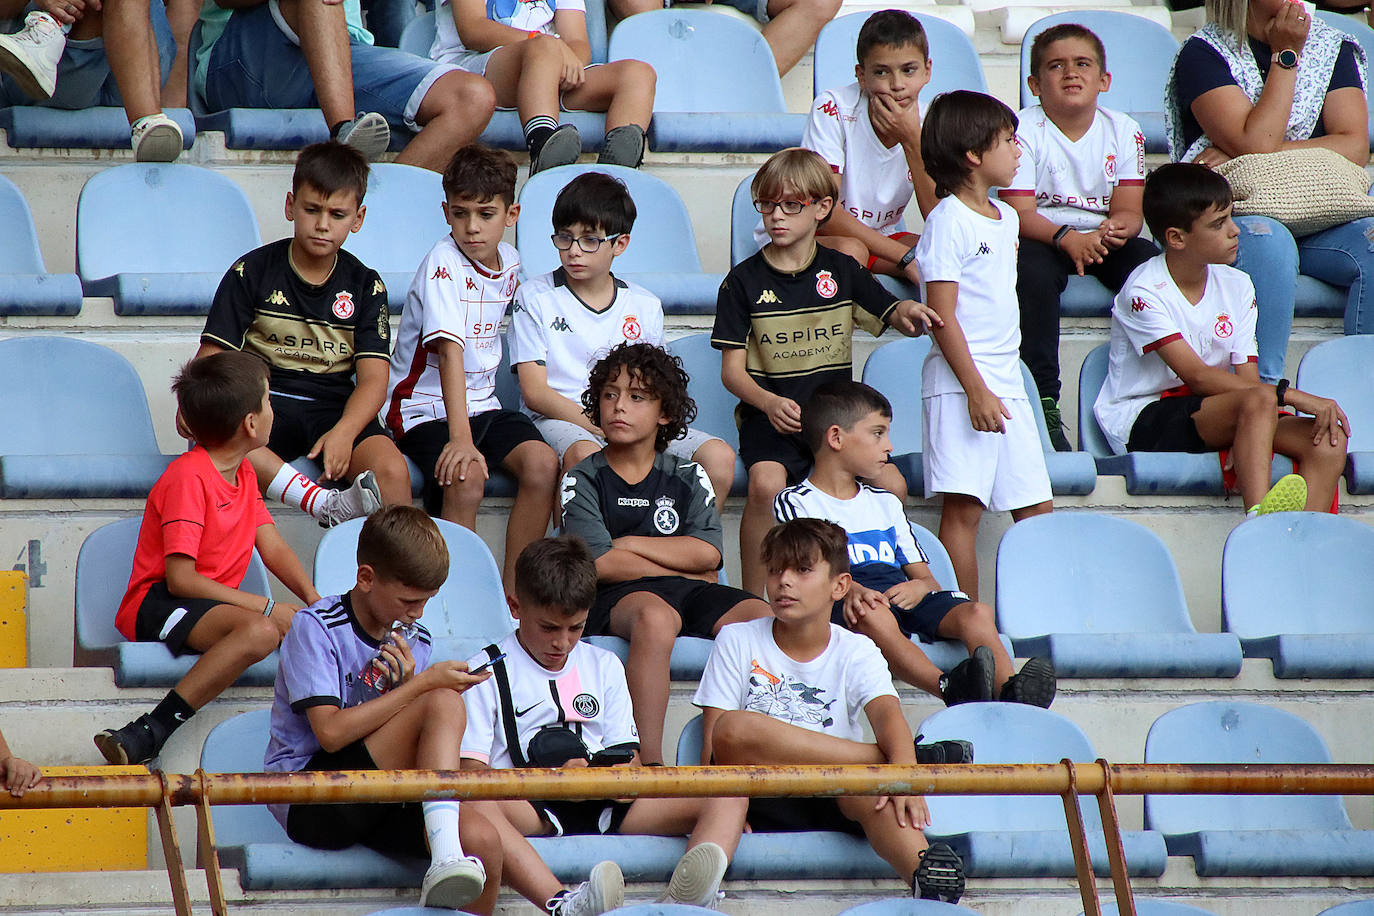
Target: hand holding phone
612	757
486	664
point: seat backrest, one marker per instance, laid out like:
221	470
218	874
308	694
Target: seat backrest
939	562
705	62
662	240
1091	377
161	218
1005	733
689	743
1139	55
744	219
238	745
470	609
20	254
507	384
1262	597
1235	732
904	906
1339	369
715	405
1036	408
94	394
418	35
893	368
405	207
103	566
1353	908
1114	576
1155	908
954	60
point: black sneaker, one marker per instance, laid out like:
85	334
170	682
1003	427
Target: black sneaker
562	147
138	742
940	876
624	146
970	681
1033	685
948	751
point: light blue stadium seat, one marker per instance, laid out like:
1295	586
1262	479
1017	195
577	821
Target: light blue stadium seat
956	61
662	255
1235	835
26	287
468	613
102	127
1333	634
1023	836
1071	473
1340	369
1119	609
102	574
75	424
715	405
404	219
718	87
944	653
418	35
904	906
1361	33
895	370
411	910
159	237
1139	54
664	909
1147	473
1154	908
1353	908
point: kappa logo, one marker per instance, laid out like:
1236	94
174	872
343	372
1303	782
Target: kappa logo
629	328
277	298
343	305
1109	167
441	273
238	268
665	516
560	323
1253	303
982	249
1223	328
767	297
829	108
470	283
825	284
1140	152
378	287
1138	304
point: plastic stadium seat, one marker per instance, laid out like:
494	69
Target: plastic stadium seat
1339	369
664	909
1155	908
76	424
1139	54
956	61
904	906
895	370
102	127
1023	836
1119	610
26	287
468	613
1333	636
405	216
1146	473
102	573
715	405
159	237
718	86
663	255
1353	908
1241	835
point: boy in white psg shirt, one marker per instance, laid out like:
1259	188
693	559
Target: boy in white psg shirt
442	406
1077	192
555	700
1183	375
982	445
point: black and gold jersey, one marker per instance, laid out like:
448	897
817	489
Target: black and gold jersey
309	335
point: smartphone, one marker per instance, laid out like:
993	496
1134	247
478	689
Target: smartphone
486	664
611	757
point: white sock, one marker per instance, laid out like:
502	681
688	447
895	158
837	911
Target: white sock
441	826
296	490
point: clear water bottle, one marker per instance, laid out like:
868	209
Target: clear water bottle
376	678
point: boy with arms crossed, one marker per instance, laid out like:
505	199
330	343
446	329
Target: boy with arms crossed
558	701
564	320
317	315
982	447
203	518
332	711
443	408
650	521
893	594
791	689
1183	374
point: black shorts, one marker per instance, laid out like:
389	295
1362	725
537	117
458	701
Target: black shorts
793	815
496	433
583	818
297	425
1167	426
923	620
393	829
699	604
759	441
165	618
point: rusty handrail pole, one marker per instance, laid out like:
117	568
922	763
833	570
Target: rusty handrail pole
1116	852
1078	838
1240	779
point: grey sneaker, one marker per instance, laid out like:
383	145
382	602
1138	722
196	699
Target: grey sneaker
624	146
31	55
603	891
562	147
155	138
453	883
697	876
368	133
358	501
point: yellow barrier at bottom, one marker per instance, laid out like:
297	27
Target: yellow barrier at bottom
14	636
75	839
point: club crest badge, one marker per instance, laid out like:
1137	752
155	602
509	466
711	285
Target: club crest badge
665	516
629	328
1223	327
343	305
825	284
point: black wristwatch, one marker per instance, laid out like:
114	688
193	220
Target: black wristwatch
907	258
1287	58
1280	390
1059	235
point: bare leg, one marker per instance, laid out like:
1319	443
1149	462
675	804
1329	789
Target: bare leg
974	624
453	113
650	625
749	609
536	471
462	499
380	455
130	46
959	533
623	89
766	478
578	452
707	820
845	245
1321	465
230	639
524	871
904	657
899	846
793	27
526	75
625	8
181	16
324	44
265	464
1244	421
718	461
753	739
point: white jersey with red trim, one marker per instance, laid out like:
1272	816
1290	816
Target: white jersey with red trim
1151	311
1073	180
451	298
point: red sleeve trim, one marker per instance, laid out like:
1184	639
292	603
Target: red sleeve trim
1019	193
1131	183
836	169
1252	359
1151	347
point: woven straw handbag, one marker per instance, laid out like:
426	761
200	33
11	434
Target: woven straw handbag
1307	189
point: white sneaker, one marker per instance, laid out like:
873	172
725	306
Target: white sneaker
603	891
31	54
155	138
453	883
697	876
358	501
368	133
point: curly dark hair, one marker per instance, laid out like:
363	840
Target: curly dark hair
662	376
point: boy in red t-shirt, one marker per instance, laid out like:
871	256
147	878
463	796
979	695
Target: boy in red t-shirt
202	520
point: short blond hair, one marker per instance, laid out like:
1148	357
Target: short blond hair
402	544
1230	17
793	171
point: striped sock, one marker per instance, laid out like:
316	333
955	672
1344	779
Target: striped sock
296	490
537	130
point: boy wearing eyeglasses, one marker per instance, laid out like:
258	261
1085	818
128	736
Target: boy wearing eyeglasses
442	406
784	319
565	320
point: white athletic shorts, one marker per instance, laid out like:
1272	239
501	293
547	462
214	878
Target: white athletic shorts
1002	470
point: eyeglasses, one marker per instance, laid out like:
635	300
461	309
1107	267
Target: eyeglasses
790	207
588	243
